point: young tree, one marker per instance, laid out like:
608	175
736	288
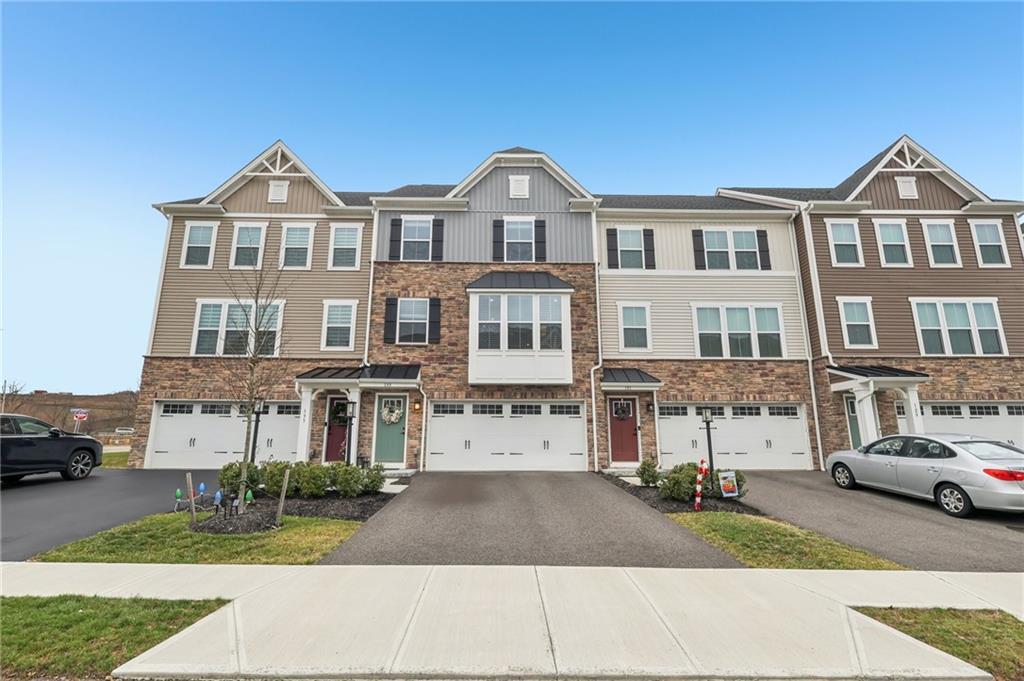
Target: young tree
12	397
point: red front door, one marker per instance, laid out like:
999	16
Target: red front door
622	417
337	429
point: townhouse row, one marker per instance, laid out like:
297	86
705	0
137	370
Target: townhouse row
517	321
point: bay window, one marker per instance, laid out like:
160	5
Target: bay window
958	326
519	337
739	331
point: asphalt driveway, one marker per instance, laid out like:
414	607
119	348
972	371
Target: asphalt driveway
911	532
523	519
43	511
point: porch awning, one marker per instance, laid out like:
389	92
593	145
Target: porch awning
629	379
858	375
374	375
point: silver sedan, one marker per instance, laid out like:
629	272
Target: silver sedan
959	472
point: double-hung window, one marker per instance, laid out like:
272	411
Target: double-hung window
989	243
940	240
237	328
207	329
844	243
958	326
520	322
247	251
893	245
716	249
416	237
339	325
635	326
631	248
412	320
296	245
744	246
489	322
346	238
731	249
550	314
858	321
518	239
739	331
197	251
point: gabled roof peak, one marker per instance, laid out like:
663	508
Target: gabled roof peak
518	150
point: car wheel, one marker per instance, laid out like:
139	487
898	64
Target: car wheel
843	476
953	500
79	465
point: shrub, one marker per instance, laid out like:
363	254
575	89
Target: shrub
311	480
346	479
231	475
272	475
373	479
679	483
648	473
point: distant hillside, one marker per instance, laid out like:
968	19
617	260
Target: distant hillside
106	412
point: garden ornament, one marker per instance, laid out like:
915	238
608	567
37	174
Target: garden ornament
202	488
177	494
249	498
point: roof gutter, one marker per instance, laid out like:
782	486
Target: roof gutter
170	209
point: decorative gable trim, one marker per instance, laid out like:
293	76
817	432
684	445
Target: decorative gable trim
519	160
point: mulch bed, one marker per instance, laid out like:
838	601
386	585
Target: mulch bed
652	497
255	519
260	516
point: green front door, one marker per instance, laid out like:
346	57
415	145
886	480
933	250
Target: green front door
389	445
851	420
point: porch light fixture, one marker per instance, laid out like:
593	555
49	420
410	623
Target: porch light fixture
417	405
650	407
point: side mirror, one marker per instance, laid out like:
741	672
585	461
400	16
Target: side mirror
56	432
863	449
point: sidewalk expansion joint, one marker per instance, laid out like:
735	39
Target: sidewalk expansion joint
547	623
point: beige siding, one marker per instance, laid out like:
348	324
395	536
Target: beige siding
670	297
933	193
304	291
673	241
303	197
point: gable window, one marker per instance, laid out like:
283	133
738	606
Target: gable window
893	245
747	331
412	320
907	187
716	249
940	240
858	322
844	243
230	327
959	326
518	239
346	241
296	241
248	245
989	244
416	237
518	186
199	240
278	191
634	326
339	321
631	248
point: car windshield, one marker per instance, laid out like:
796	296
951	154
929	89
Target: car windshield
987	451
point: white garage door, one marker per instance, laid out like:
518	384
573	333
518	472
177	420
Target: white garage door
211	434
999	421
506	436
750	436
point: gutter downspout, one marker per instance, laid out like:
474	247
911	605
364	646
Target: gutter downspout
369	290
600	351
423	430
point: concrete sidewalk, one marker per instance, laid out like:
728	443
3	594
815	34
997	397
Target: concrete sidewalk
539	622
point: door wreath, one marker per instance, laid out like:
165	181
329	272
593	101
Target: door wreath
622	411
391	413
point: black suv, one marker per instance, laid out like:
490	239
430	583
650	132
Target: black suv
29	446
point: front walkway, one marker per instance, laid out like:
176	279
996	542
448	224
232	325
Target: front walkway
523	519
490	622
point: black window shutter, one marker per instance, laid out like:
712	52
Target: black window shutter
390	319
498	253
762	249
437	241
613	248
540	241
699	260
395	247
649	262
434	321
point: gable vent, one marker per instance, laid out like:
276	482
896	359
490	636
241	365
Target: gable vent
278	191
907	187
518	186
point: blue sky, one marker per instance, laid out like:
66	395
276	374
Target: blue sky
108	108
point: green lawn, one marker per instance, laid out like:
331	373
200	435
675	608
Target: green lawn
764	543
115	459
165	538
989	639
86	637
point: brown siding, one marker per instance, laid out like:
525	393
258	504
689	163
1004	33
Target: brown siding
304	291
890	287
803	261
303	197
933	193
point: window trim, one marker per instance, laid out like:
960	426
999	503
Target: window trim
222	327
1002	240
730	232
285	226
902	222
565	323
425	322
724	333
925	222
189	224
944	329
234	245
505	219
618	245
352	326
358	226
904	182
512	179
429	239
622	304
841	302
829	222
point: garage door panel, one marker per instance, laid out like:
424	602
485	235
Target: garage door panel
996	420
